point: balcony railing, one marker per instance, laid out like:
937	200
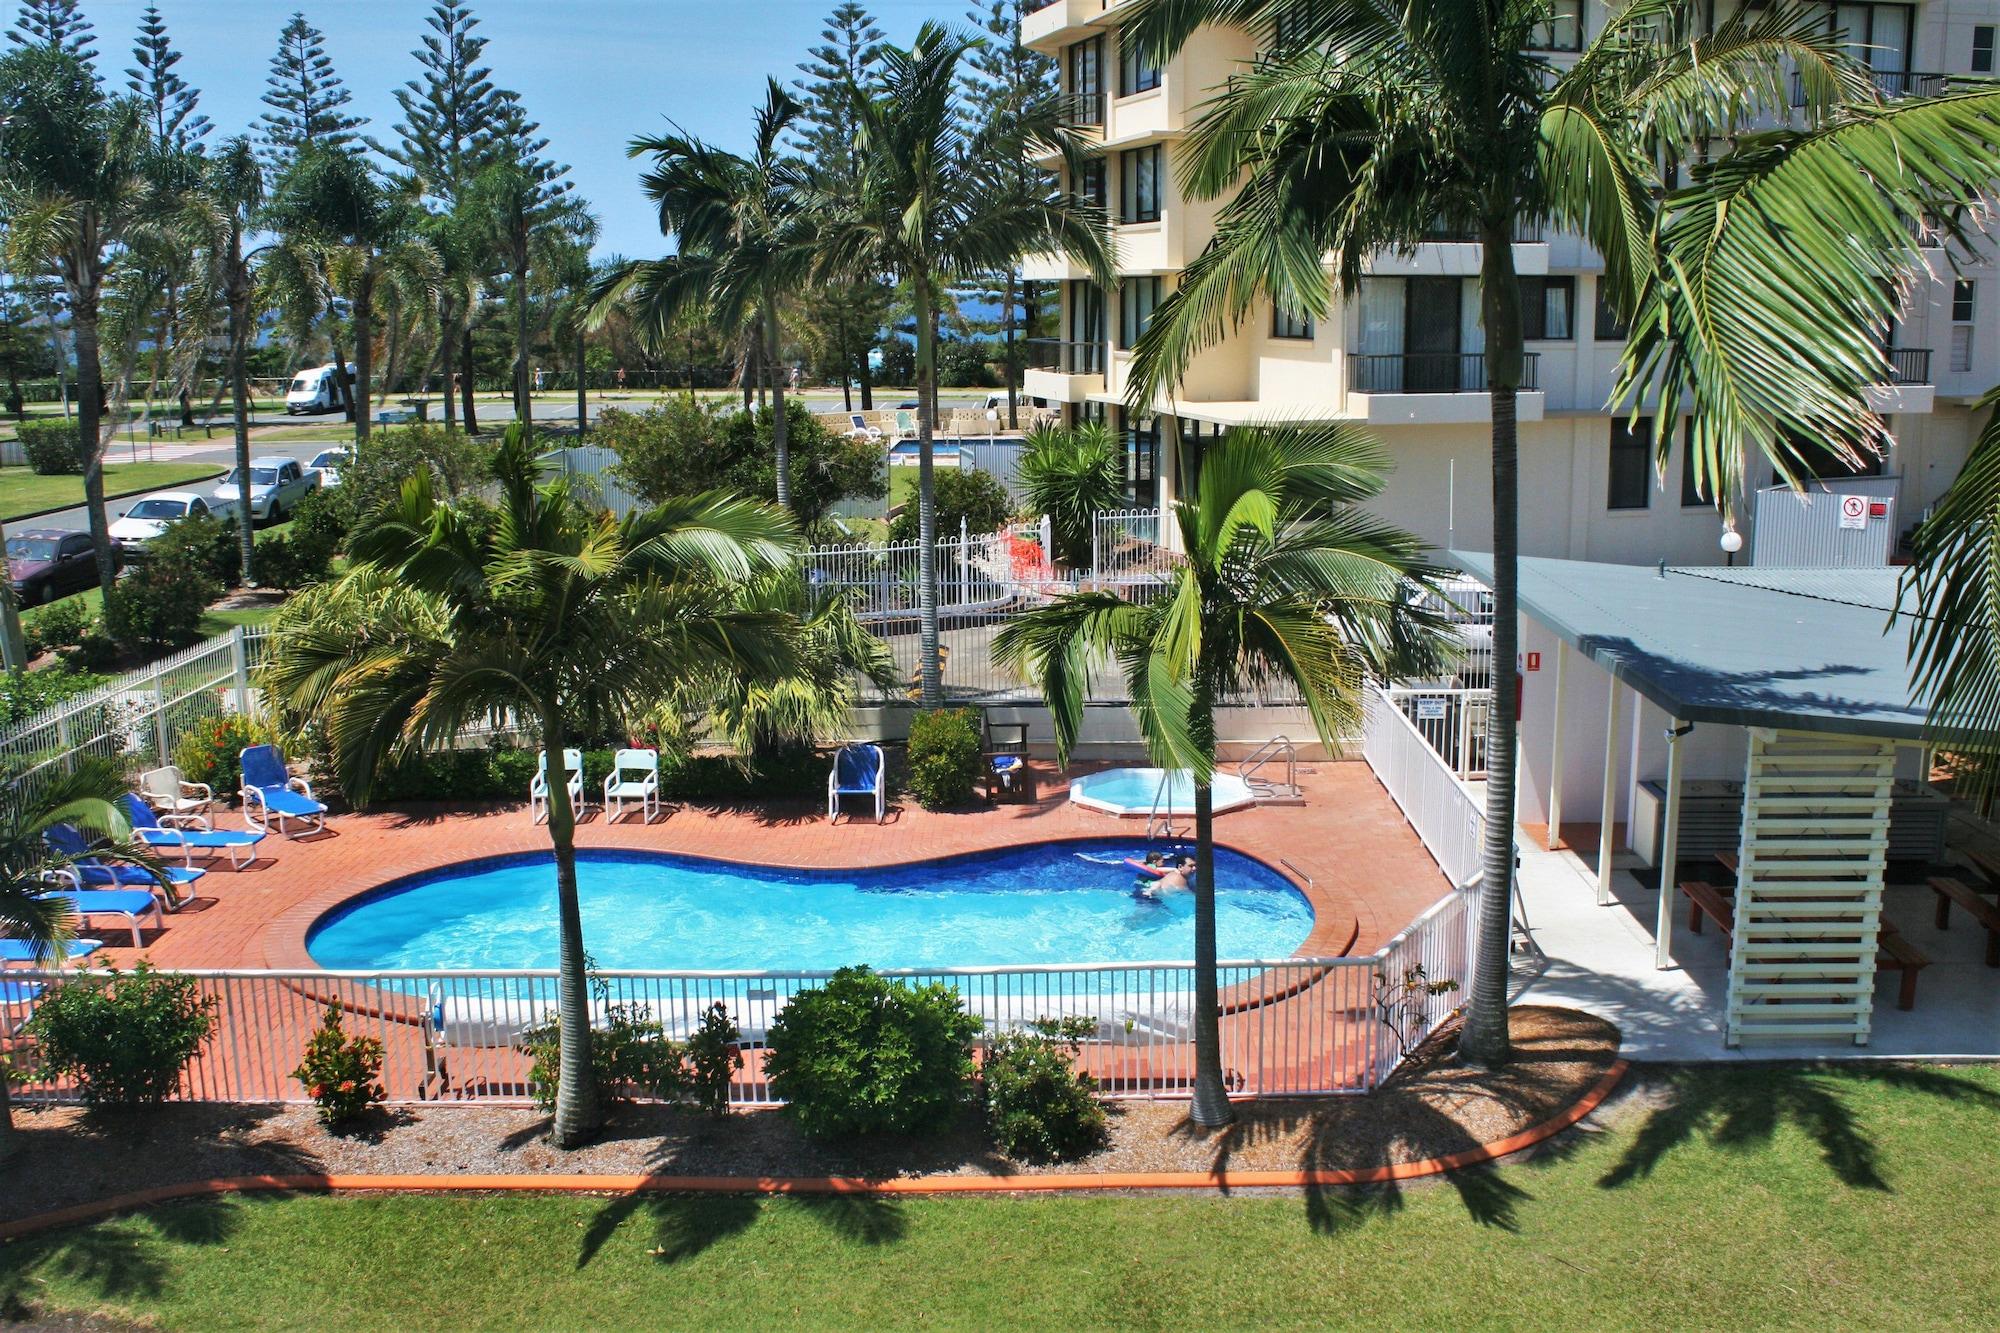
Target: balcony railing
1892	84
1083	109
1065	356
1526	232
1429	372
1909	365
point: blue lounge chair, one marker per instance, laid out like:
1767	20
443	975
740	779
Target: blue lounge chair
269	790
92	872
190	833
131	904
20	951
857	771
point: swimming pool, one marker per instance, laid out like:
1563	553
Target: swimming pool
1148	791
1060	902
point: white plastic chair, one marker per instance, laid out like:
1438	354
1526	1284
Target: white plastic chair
643	786
857	771
906	425
538	790
169	794
859	427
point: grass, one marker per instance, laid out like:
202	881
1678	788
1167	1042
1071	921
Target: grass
1754	1197
22	492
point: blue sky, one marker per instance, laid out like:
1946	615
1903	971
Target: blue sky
594	72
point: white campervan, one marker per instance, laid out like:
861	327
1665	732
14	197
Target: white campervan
315	390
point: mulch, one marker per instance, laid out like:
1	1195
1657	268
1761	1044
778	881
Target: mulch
1433	1107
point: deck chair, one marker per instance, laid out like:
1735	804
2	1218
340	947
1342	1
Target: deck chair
190	834
538	789
857	771
270	791
859	429
1007	771
20	951
170	794
130	905
906	425
86	871
634	776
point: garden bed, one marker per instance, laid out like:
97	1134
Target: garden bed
1432	1108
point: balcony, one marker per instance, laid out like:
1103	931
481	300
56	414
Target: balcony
1048	25
1456	252
1433	388
1908	387
1064	370
1909	365
1892	84
1083	110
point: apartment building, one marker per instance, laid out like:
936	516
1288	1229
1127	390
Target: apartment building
1405	357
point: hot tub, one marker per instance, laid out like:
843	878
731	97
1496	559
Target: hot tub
1149	791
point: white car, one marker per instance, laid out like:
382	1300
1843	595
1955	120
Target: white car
276	487
152	515
328	463
315	390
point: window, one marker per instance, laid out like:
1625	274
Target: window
1562	30
1691	496
1287	31
1137	298
1142	459
1090	186
1817	460
1285	324
1546	305
1086	68
1136	71
1982	49
1139	184
1963	293
1610	328
1086	322
1631	486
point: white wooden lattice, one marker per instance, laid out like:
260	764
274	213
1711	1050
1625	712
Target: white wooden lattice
1809	887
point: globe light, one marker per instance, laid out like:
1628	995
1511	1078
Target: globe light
1732	540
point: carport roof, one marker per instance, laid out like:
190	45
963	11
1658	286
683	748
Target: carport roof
1805	649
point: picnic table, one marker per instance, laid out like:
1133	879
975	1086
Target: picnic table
1949	890
1893	953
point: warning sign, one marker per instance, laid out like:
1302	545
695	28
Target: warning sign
1853	511
1430	710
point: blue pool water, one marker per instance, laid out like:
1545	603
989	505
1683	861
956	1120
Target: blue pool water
1063	902
1142	791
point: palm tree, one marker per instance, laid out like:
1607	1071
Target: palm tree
1072	474
76	192
1371	123
935	204
559	614
86	797
530	225
1282	580
234	188
744	241
365	233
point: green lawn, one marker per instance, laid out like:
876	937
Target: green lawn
212	622
1861	1198
23	493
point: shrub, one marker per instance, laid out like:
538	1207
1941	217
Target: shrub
124	1038
212	752
286	561
712	1059
944	756
1072	476
864	1055
687	445
158	605
53	448
629	1052
26	693
63	624
210	544
1039	1108
962	364
977	497
502	772
341	1073
320	523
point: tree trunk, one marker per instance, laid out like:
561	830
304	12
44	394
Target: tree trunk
1007	362
465	378
447	344
187	411
524	406
582	401
10	1144
867	383
364	354
90	417
14	657
239	388
781	443
932	670
579	1104
1484	1040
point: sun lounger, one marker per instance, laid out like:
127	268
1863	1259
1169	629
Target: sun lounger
20	951
860	429
131	905
190	834
89	871
270	791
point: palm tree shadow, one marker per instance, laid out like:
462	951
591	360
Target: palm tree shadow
685	1225
114	1261
1740	1108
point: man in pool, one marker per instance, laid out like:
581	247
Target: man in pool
1178	878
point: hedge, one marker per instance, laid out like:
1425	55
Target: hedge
503	772
53	448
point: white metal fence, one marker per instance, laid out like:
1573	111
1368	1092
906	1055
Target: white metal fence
1452	722
1128	553
1446	816
1290	1027
975	572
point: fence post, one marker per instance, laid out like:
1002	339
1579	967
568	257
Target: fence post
964	561
239	664
160	718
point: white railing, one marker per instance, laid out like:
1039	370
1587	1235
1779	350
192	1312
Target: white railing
1452	722
1128	553
1446	816
1290	1027
975	572
141	716
1422	974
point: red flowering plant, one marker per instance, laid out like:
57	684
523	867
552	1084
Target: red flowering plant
341	1073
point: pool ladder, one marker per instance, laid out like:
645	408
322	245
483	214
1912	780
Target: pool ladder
1279	749
1160	823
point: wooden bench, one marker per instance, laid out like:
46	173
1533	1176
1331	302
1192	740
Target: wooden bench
1949	891
1893	953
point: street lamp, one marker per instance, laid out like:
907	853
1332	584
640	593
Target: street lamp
1732	542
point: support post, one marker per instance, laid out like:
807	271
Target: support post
239	665
1556	748
1608	815
1670	850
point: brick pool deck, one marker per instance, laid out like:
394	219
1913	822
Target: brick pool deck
1364	871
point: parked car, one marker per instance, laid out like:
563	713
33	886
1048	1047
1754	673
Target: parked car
149	518
315	391
328	463
46	563
276	487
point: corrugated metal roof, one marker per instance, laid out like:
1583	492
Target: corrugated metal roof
1811	650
